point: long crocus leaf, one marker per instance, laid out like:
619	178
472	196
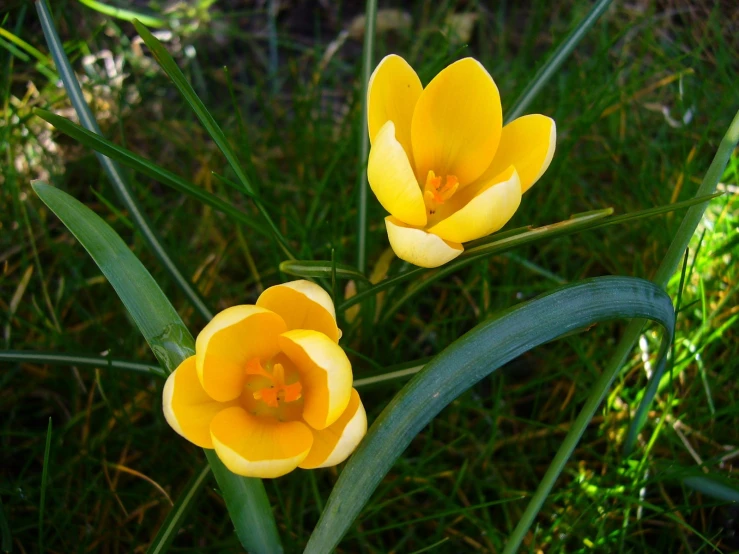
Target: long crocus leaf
171	343
469	359
170	67
112	170
713	487
142	165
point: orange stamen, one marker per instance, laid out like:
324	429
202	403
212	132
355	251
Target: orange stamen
278	390
434	193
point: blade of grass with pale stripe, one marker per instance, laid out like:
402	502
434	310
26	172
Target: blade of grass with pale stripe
171	343
465	362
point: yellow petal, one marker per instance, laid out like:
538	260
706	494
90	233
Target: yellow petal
392	94
391	178
492	205
335	443
187	407
325	373
259	447
457	123
303	305
528	144
232	338
418	247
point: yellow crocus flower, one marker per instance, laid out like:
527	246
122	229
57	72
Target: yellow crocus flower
269	388
441	161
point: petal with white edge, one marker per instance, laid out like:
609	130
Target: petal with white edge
325	374
419	247
232	338
335	443
259	447
302	305
187	407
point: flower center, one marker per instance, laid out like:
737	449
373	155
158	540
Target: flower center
435	192
275	389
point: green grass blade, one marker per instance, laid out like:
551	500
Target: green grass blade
113	171
170	67
171	343
178	513
42	62
125	15
631	334
44	481
318	269
370	14
472	357
713	487
62	358
142	165
555	61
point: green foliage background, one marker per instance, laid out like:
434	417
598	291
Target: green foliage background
640	108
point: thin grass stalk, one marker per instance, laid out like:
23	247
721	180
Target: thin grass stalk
558	57
86	360
44	481
173	71
362	186
178	513
502	242
631	336
112	169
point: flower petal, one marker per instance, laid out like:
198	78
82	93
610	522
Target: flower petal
391	178
492	205
528	144
418	247
457	123
259	447
303	305
232	338
335	443
392	94
187	407
325	373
